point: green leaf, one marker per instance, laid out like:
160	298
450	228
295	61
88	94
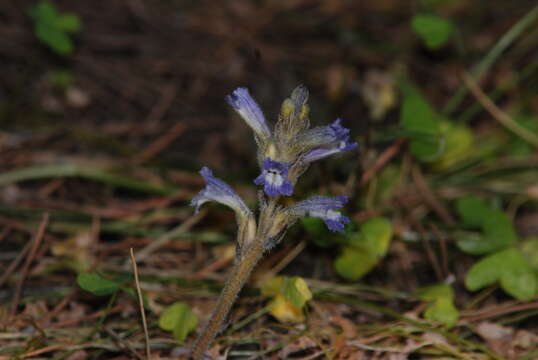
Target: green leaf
433	30
521	283
472	210
499	230
69	23
96	284
441	307
296	291
353	263
293	289
374	237
52	28
471	242
516	275
444	311
422	123
56	39
179	319
529	249
487	271
458	146
365	248
44	12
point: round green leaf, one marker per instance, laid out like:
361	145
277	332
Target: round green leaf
472	210
516	275
179	319
422	123
486	271
376	234
442	310
498	230
296	291
353	263
519	278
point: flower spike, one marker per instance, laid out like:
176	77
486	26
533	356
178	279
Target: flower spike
322	208
274	178
250	111
217	190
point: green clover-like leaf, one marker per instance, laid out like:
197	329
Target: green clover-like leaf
179	319
510	268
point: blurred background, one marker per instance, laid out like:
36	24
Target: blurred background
108	109
130	71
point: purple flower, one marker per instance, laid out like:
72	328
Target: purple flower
274	178
322	208
250	111
217	190
323	135
321	153
327	140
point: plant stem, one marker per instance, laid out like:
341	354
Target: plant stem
240	274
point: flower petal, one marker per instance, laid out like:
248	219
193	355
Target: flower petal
217	190
250	111
324	136
322	208
274	178
323	152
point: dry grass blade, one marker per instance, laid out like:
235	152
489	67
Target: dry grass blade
141	304
503	118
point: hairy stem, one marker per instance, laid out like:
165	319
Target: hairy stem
240	274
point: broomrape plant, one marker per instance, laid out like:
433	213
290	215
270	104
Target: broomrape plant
284	154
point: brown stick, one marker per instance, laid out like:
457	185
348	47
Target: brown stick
382	160
141	304
24	272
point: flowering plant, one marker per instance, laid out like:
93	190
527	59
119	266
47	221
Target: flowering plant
284	154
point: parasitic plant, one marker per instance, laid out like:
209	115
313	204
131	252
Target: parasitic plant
284	154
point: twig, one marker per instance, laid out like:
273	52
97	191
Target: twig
162	240
286	260
24	272
161	143
141	303
497	113
382	160
496	311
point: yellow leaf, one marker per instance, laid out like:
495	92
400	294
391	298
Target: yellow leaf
284	311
